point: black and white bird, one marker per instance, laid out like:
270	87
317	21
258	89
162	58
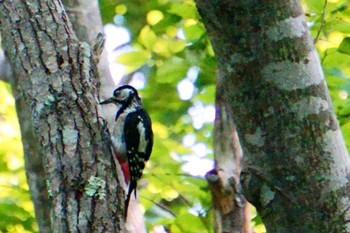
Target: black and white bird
132	135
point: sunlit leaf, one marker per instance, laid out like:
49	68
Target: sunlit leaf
344	47
189	223
177	46
154	16
161	47
148	38
133	60
193	32
184	10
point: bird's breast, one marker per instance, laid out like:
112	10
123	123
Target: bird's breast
118	140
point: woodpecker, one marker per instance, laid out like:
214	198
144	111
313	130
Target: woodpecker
131	136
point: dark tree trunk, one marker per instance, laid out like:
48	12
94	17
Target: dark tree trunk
296	166
56	98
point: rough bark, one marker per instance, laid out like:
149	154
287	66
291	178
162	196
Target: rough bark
81	13
87	23
56	98
230	214
296	167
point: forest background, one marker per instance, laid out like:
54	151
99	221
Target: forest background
169	52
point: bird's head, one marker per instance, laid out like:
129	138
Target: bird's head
125	95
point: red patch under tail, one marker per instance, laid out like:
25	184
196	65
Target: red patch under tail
125	167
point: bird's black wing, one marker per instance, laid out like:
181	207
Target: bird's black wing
138	137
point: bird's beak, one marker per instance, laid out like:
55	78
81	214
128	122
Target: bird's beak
108	101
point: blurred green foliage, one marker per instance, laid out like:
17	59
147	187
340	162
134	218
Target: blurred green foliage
16	208
170	48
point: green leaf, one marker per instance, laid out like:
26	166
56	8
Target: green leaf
344	46
12	214
107	9
207	94
257	220
335	78
168	21
177	46
147	37
172	70
338	22
186	11
336	59
346	133
189	223
345	110
134	60
193	32
315	6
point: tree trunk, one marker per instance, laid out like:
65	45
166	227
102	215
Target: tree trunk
87	23
56	99
296	167
230	212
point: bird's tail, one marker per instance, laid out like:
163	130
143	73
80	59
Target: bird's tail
132	187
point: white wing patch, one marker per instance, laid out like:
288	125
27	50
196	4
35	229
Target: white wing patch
143	141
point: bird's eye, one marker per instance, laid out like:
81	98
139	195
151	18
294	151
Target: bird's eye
116	94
